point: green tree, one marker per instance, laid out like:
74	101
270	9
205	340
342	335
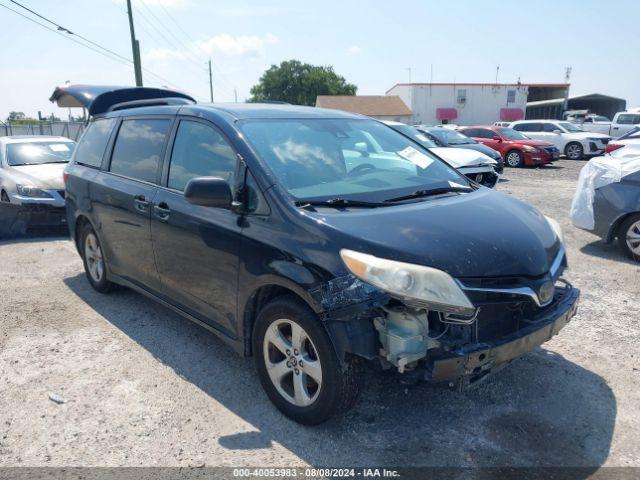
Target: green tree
299	83
15	116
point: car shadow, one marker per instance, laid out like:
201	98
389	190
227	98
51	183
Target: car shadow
543	410
609	251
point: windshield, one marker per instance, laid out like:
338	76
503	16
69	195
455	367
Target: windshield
451	137
321	159
37	153
511	134
415	134
570	127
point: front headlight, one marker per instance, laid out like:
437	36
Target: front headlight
555	226
417	284
530	149
32	192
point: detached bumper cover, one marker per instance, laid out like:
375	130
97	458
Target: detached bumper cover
472	363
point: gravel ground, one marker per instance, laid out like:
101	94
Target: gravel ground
142	386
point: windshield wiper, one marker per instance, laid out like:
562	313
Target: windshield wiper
339	202
430	192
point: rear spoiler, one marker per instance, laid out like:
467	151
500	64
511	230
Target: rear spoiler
99	99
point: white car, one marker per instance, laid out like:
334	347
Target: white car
31	169
473	164
570	139
626	146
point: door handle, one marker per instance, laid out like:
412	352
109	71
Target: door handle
162	211
141	203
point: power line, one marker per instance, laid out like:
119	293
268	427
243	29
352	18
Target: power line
60	30
188	51
188	55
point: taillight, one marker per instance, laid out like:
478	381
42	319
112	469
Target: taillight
65	177
612	147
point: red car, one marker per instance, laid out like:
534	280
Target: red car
516	149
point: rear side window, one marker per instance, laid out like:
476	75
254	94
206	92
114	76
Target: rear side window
551	127
528	127
93	143
200	151
138	148
628	119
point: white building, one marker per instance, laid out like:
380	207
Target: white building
463	103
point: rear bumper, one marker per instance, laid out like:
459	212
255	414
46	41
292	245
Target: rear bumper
470	364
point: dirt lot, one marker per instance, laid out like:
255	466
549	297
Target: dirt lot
142	386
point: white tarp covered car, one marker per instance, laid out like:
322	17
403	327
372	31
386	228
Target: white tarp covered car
607	201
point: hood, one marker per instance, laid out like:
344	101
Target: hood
585	135
478	147
462	157
479	234
46	176
533	143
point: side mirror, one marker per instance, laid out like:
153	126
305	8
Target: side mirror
361	147
558	132
497	139
208	192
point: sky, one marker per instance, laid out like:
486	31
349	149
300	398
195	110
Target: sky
372	43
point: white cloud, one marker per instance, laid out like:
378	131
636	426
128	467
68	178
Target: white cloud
256	11
240	46
354	50
164	3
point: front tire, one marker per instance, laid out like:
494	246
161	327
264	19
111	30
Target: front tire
4	197
298	366
629	237
95	266
574	151
514	159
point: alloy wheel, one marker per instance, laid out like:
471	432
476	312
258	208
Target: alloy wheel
292	362
93	256
513	159
633	238
574	152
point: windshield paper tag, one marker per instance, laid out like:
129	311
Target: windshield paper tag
59	147
455	185
422	137
416	157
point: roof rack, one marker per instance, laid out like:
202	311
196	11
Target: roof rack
150	102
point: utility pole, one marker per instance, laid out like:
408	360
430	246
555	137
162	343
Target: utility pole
135	47
210	83
235	95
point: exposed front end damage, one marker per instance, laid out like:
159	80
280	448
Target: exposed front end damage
443	347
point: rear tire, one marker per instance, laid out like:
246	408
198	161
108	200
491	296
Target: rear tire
287	333
514	158
574	151
629	237
95	265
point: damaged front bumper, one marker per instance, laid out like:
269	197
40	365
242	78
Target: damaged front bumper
472	363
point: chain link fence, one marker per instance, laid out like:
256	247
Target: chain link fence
70	130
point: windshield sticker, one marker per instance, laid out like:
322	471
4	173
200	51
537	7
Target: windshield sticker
455	185
416	157
59	147
422	137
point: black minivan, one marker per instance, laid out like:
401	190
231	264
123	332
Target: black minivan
281	229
